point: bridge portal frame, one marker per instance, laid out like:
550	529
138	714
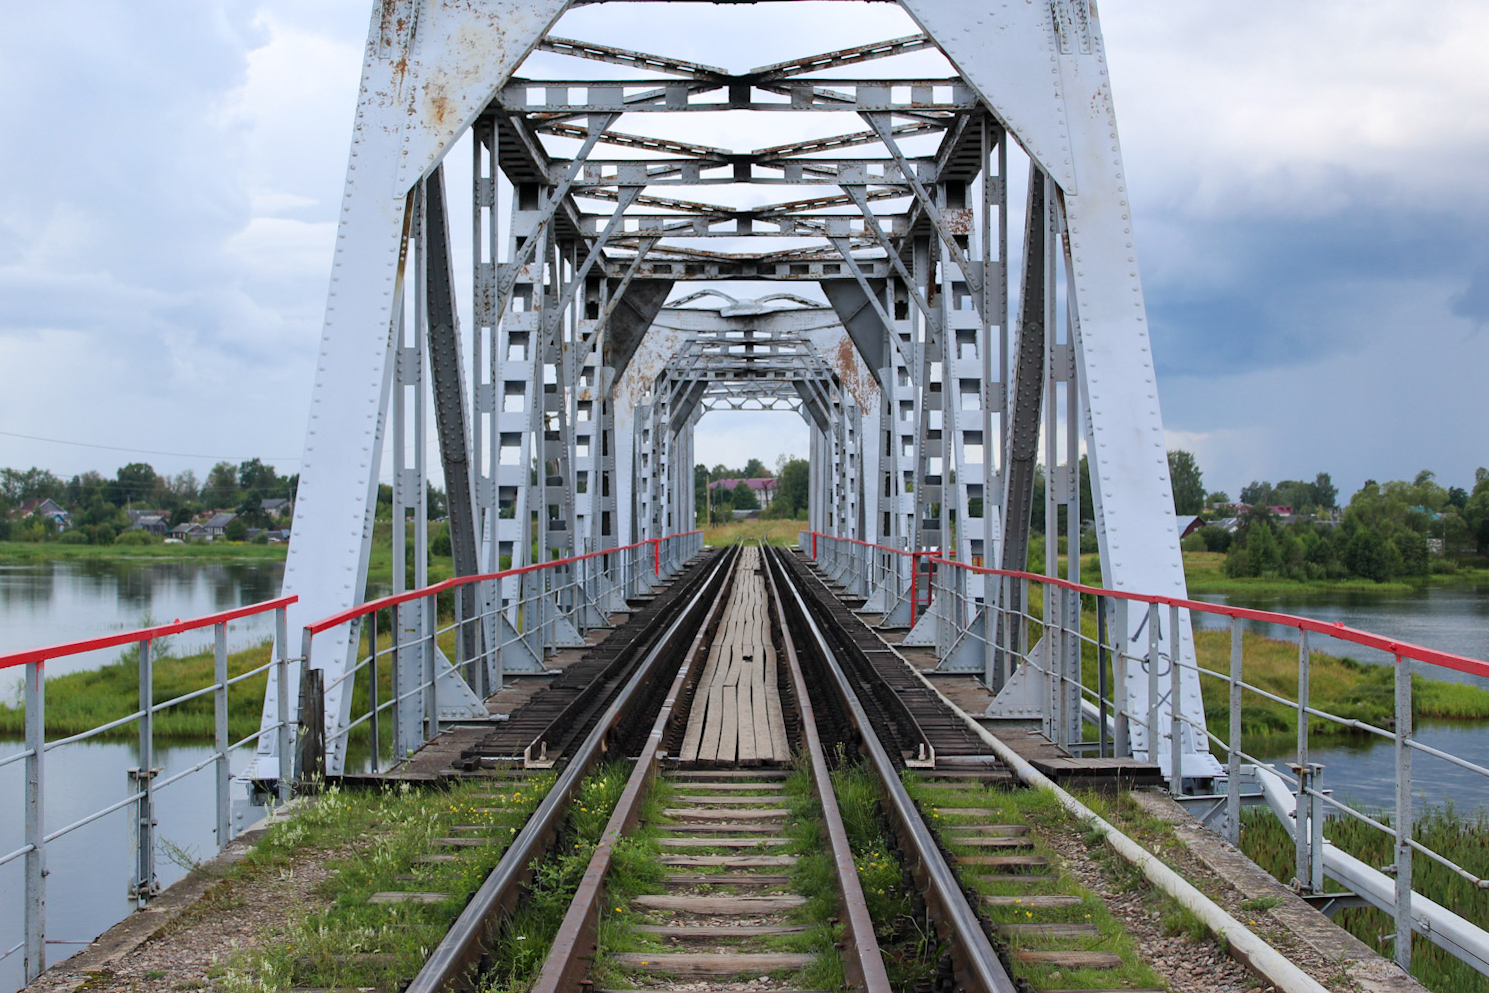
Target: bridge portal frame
923	295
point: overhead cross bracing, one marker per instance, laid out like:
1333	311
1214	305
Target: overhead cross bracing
933	180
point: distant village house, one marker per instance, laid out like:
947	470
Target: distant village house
43	507
764	487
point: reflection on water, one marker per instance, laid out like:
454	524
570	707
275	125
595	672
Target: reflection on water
1363	773
90	868
1447	618
45	603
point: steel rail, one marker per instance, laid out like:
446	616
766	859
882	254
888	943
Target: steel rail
575	943
863	964
536	750
453	961
975	961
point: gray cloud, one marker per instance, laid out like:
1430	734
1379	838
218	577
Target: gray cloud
1473	302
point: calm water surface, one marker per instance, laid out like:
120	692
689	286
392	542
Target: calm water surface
46	603
1448	618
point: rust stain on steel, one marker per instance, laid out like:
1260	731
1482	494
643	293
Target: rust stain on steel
958	220
854	374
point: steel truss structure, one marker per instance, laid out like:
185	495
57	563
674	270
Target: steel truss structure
565	416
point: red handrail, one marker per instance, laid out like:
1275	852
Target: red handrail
1432	656
393	599
141	634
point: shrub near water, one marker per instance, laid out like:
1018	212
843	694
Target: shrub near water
1463	839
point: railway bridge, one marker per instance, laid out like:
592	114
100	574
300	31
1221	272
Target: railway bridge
946	209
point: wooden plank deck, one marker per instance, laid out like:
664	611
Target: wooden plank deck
736	715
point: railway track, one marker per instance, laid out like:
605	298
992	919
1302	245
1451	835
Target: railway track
727	835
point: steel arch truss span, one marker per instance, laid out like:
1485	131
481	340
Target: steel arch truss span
565	412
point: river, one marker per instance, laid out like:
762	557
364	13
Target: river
1449	618
48	603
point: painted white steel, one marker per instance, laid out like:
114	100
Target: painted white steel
423	77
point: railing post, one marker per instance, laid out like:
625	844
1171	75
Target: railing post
220	726
36	855
431	647
1054	665
372	690
1154	646
1233	759
1316	827
396	677
1175	714
1103	741
1303	865
282	701
1404	815
1122	739
141	779
461	662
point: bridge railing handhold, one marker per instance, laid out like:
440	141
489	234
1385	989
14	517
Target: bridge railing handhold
144	780
1140	677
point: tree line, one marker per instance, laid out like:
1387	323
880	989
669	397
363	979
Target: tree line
97	505
1387	531
716	505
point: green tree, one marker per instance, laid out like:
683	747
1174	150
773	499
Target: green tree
1263	548
745	498
1258	493
1476	512
792	485
1325	494
1188	483
1369	555
133	483
236	530
255	475
30	484
755	469
221	489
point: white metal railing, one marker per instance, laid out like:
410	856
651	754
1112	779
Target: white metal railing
143	784
1002	624
495	631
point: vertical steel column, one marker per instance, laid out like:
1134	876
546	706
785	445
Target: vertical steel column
36	854
1233	759
1404	814
1301	833
142	778
220	725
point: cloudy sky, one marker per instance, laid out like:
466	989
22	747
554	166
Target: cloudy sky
1309	184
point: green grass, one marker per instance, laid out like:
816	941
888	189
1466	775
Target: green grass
1041	811
1204	572
528	933
216	551
780	533
1462	838
78	701
372	839
907	939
